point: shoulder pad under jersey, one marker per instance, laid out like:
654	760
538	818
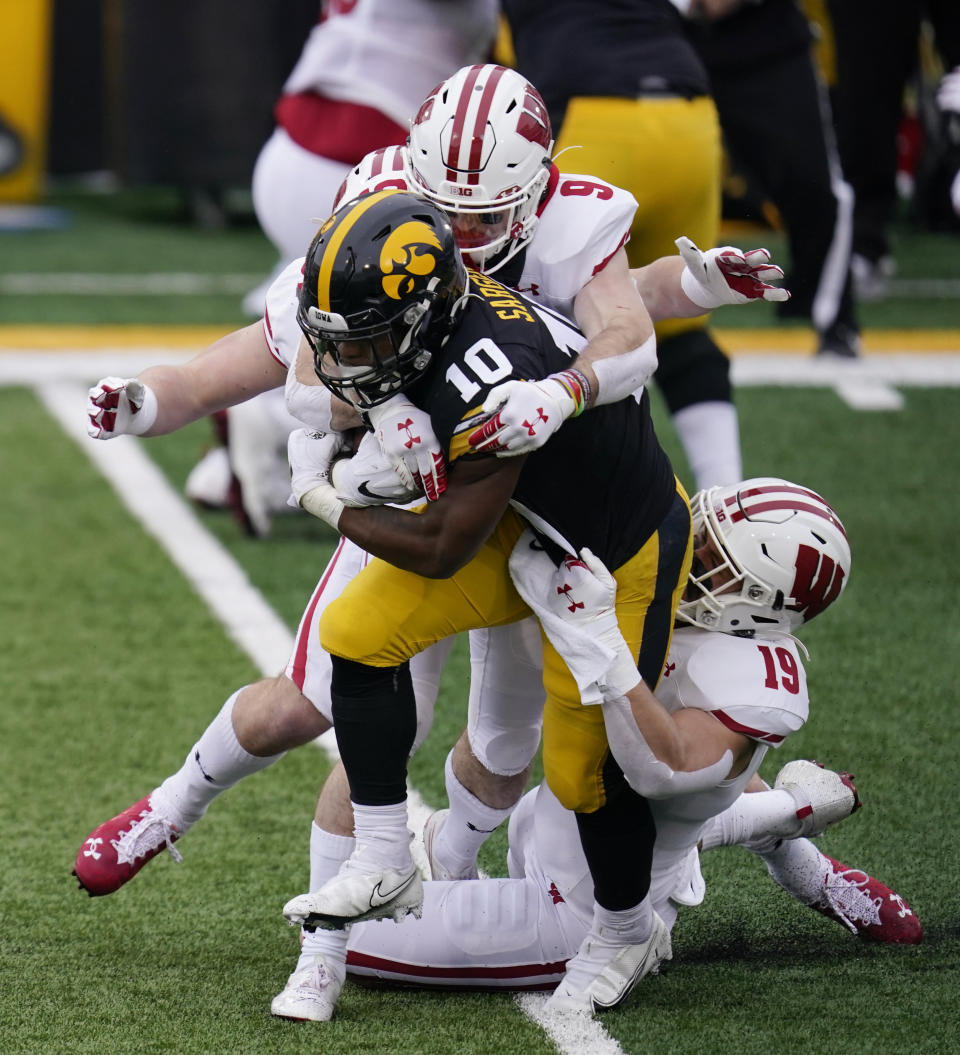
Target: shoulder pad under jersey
280	317
755	686
583	224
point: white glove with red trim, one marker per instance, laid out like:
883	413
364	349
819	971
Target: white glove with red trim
525	414
406	436
728	275
118	406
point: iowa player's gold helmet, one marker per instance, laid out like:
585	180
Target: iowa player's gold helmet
382	282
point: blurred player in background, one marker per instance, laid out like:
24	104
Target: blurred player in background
778	129
625	87
365	68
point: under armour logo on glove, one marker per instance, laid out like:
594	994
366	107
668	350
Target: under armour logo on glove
407	426
565	591
531	427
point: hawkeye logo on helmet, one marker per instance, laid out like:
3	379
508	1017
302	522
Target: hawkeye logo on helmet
408	258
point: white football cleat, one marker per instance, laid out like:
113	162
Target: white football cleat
354	896
603	973
310	994
823	797
431	830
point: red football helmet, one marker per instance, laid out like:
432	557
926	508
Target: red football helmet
479	148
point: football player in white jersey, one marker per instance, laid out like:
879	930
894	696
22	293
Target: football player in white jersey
259	722
770	556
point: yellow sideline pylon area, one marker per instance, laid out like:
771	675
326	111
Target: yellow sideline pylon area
792	341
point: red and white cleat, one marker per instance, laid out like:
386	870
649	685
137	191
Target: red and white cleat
114	852
867	907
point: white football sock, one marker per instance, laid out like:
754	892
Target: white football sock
799	867
629	926
216	762
710	435
327	854
757	821
466	827
383	838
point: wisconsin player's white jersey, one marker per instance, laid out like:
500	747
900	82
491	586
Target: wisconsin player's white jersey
307	400
390	54
583	222
541	914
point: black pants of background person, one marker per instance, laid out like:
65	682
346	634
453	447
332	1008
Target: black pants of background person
876	45
779	133
778	130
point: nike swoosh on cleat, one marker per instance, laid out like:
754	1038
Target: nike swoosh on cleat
378	897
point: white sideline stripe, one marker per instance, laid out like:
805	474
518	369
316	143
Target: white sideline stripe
918	371
249	621
863	384
247	617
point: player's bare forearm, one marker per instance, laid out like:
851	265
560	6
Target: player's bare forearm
686	741
232	370
613	316
658	283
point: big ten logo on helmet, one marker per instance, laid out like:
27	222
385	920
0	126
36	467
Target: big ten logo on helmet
408	256
534	124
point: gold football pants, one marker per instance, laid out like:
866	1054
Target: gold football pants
667	153
387	615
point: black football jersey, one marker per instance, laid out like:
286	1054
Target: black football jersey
602	480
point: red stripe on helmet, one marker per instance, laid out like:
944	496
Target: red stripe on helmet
752	492
459	120
824	512
480	124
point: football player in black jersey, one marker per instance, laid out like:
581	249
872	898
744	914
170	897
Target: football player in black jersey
388	306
